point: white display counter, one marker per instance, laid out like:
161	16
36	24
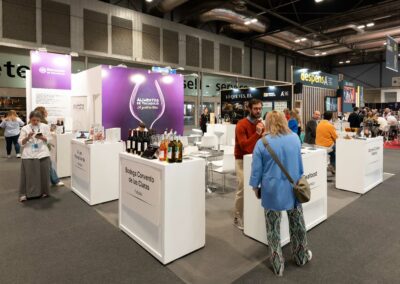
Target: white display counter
228	129
359	164
315	211
162	206
61	153
95	170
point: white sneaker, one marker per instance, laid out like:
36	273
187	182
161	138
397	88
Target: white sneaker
309	255
60	183
8	156
18	156
238	222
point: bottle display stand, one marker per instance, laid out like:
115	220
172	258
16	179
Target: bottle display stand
162	205
61	153
359	164
95	170
315	211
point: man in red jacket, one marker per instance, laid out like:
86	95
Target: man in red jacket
248	131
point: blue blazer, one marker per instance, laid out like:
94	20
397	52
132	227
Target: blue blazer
276	191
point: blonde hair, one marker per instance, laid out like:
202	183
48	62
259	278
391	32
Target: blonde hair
295	114
12	115
276	124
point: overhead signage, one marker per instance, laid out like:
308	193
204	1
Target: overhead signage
13	70
163	70
392	52
270	93
315	78
50	70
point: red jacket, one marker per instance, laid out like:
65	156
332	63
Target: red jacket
246	138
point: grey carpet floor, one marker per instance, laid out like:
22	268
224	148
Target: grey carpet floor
359	244
62	240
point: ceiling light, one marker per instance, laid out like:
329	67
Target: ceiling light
340	62
42	49
247	22
303	39
297	40
347	61
318	1
323	53
371	24
385	43
361	27
254	20
149	1
74	54
317	54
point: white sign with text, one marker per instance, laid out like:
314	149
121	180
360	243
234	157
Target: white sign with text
142	185
81	162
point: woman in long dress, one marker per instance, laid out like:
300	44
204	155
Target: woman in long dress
35	166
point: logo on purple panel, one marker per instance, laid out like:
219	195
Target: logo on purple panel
50	70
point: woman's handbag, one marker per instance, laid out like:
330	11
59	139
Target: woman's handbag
302	189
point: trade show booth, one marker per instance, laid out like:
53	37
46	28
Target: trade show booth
162	205
315	211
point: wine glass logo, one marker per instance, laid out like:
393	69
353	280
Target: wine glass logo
148	104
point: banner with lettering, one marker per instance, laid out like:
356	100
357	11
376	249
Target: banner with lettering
131	96
315	78
50	70
234	102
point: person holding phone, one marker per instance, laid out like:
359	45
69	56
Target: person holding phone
35	166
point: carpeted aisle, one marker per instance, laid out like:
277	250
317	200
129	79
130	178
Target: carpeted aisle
63	240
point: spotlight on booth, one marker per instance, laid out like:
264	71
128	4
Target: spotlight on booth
167	79
35	57
138	78
104	73
271	87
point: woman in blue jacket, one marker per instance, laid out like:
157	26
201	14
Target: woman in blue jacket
274	189
293	122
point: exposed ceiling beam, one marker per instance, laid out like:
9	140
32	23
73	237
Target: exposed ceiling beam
296	24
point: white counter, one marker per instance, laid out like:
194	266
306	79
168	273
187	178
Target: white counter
315	211
359	164
95	170
229	129
162	206
61	153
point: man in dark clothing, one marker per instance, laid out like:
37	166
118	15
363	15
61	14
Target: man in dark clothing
311	128
354	118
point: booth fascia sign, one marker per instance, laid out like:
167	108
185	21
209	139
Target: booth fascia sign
212	85
131	96
315	78
48	84
268	93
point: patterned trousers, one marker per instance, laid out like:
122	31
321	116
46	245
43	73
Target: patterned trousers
298	237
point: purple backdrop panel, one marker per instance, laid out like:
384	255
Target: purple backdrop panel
50	70
131	96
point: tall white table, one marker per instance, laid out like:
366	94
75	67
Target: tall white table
359	164
95	170
315	211
61	153
229	132
162	206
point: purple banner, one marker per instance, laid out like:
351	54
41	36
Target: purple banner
50	70
131	96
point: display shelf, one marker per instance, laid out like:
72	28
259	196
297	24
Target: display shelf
315	211
359	164
95	170
162	206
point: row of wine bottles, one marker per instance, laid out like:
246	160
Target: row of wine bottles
171	148
138	141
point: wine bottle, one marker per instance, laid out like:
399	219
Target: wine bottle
145	140
163	150
179	152
140	143
134	142
129	142
171	150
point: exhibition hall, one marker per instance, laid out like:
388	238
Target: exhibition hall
192	141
